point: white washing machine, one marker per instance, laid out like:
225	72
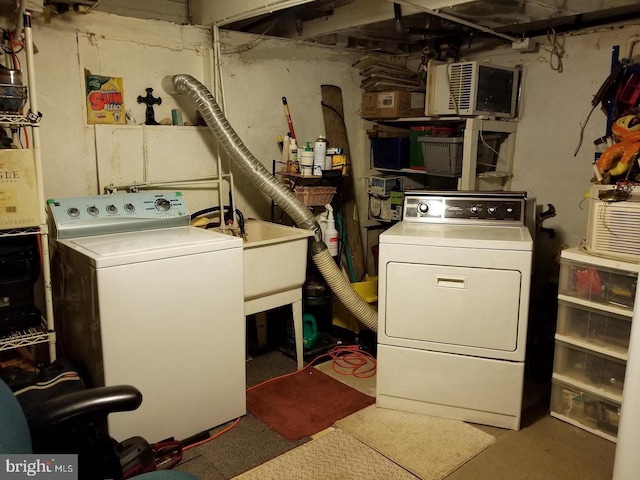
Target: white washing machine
142	298
454	280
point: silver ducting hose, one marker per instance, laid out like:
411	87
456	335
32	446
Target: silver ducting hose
279	193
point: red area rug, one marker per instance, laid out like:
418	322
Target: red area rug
304	404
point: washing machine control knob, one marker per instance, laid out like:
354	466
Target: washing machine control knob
492	210
93	210
73	212
474	209
112	209
423	208
163	205
129	208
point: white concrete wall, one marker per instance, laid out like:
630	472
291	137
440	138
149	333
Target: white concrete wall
256	72
139	51
555	105
256	79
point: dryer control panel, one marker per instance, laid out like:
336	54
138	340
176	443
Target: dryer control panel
116	213
464	207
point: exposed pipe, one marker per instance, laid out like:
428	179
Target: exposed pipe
263	179
633	39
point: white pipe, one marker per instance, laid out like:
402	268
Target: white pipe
630	43
219	91
35	141
167	183
20	20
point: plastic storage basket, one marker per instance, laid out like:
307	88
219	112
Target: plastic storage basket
392	153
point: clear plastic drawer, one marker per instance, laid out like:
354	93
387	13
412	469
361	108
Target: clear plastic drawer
598	284
585	408
589	368
596	327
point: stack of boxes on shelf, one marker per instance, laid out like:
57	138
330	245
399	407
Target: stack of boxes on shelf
390	90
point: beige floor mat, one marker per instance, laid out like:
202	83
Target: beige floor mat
429	447
333	456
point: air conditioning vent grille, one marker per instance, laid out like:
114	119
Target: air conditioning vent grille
460	86
615	229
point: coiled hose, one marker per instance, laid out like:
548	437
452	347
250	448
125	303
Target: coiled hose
263	179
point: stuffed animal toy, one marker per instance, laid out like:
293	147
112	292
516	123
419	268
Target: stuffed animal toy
619	157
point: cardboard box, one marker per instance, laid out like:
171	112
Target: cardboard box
369	108
19	203
393	104
389	208
105	100
383	185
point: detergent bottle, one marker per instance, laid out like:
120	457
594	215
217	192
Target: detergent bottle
330	234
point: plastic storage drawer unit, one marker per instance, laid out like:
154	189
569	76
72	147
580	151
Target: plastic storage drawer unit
588	368
599	283
585	409
595	327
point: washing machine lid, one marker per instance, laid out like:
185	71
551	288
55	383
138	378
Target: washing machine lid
101	251
496	237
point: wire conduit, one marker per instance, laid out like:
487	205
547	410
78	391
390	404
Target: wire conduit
250	166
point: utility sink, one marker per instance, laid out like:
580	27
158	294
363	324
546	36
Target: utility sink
275	258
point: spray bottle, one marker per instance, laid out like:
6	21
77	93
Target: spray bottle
330	236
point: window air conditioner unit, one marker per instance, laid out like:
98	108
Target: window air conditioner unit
613	228
472	88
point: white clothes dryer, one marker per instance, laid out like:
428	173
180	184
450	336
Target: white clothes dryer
454	280
142	298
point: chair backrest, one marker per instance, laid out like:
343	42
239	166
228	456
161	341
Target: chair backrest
14	431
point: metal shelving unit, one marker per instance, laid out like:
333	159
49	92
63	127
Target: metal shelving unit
474	127
45	332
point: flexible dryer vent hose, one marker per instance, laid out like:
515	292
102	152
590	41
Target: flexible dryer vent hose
279	193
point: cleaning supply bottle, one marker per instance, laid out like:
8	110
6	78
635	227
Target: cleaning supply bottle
320	153
293	154
330	236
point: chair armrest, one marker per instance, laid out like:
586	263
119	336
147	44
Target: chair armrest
83	407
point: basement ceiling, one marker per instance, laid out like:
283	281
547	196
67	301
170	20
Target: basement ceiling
408	27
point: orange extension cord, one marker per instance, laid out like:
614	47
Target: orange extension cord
347	360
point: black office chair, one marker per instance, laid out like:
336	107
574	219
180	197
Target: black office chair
56	424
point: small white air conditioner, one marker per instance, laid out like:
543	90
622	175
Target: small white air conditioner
613	228
471	88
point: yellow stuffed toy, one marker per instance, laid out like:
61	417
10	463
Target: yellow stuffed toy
619	157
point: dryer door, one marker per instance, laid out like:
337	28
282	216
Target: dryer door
452	305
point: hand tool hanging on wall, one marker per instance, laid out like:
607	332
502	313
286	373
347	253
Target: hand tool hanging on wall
620	89
288	115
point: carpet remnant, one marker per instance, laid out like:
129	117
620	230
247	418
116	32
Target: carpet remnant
334	456
304	404
429	447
